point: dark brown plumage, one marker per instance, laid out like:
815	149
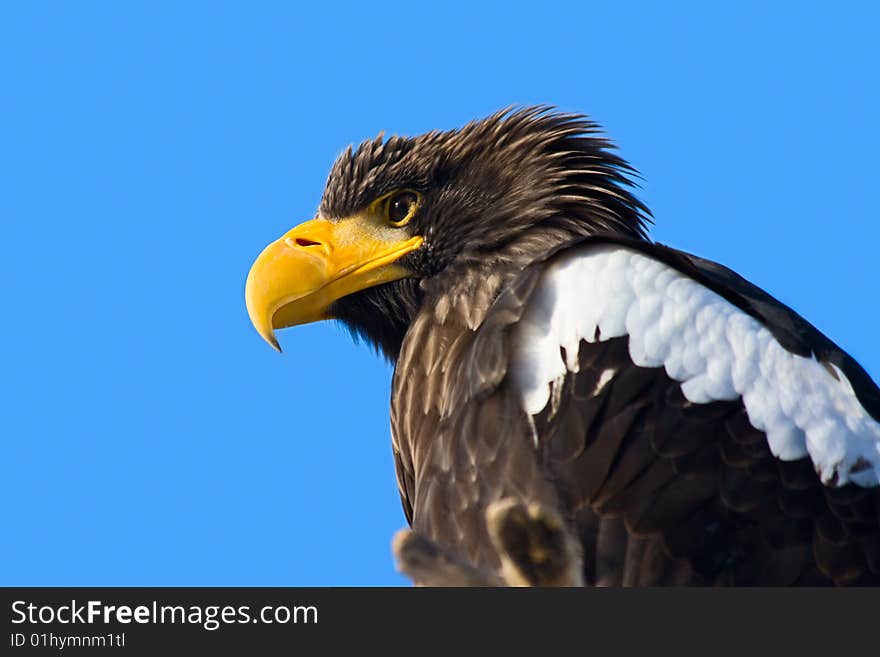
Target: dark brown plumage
659	491
620	473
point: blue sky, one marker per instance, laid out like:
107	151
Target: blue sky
150	150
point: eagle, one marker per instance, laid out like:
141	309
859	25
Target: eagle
574	404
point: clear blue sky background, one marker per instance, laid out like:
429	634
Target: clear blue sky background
148	151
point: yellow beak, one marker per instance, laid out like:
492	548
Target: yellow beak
296	278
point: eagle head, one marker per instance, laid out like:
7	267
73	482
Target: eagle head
402	214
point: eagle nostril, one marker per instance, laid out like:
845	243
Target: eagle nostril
305	242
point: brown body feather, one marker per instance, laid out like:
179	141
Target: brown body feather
659	490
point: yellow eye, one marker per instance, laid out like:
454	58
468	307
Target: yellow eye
400	207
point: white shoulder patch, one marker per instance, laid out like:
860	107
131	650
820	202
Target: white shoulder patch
714	349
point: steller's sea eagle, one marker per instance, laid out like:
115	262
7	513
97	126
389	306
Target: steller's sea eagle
573	403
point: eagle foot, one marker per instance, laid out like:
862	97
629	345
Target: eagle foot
427	564
534	545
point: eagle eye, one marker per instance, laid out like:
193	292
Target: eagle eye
400	207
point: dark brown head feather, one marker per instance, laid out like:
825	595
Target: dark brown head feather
517	173
524	165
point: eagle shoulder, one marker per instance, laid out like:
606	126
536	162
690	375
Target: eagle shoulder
713	348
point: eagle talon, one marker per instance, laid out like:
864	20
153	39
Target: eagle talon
427	564
534	545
